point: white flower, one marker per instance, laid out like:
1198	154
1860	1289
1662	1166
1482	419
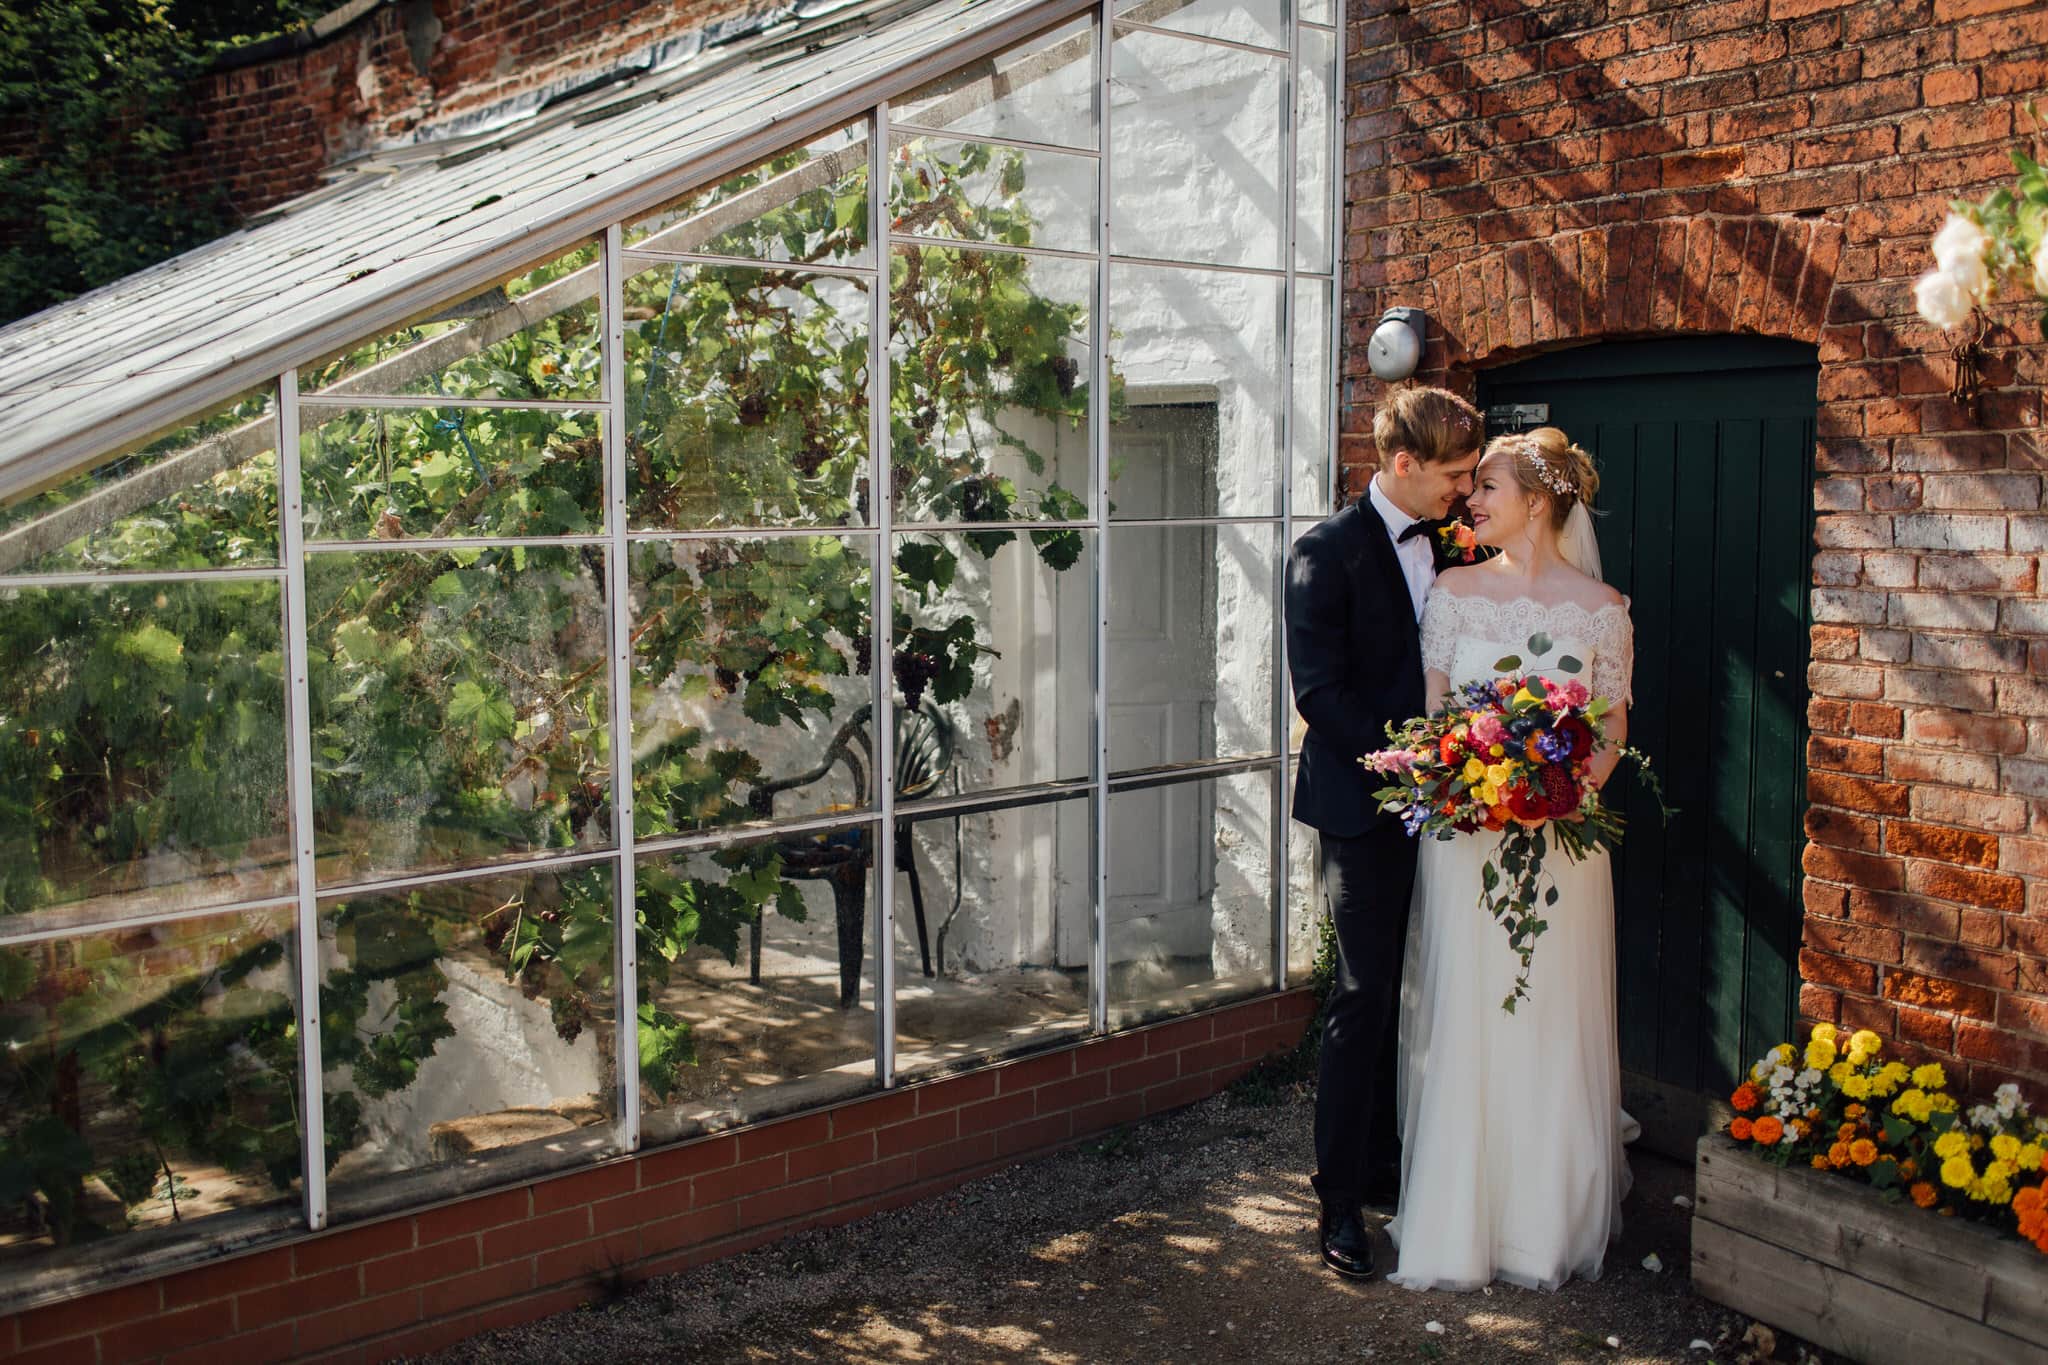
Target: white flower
2041	270
1809	1077
1959	253
2007	1096
1941	300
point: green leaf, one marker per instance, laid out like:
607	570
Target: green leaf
491	716
1568	663
1508	663
1539	643
789	902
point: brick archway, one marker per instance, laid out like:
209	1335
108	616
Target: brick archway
1714	274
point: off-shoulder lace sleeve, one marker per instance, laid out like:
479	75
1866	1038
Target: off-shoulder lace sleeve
1439	630
1614	655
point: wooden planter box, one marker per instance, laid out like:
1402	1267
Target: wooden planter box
1827	1259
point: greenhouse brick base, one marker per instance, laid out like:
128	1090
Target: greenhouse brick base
423	1280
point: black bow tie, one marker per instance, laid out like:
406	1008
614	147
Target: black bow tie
1416	528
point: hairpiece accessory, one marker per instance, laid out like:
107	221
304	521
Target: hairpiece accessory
1555	480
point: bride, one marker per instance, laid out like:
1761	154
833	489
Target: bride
1512	1167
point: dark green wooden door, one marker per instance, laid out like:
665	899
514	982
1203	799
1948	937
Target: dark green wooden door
1704	448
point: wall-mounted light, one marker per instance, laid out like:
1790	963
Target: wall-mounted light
1396	346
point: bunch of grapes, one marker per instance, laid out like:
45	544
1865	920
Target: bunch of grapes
863	649
914	671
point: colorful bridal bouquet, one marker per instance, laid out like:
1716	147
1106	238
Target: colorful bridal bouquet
1512	755
1840	1106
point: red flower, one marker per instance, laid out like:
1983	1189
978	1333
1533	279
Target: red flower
1560	790
1580	734
1452	748
1525	802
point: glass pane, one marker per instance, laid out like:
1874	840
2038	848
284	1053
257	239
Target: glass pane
1316	11
531	335
1197	152
1242	21
1312	160
990	385
469	1021
1006	905
1305	917
200	496
389	473
1190	895
1040	91
756	980
746	398
752	695
1191	629
458	707
995	640
148	1077
807	204
1195	430
1314	392
142	750
982	192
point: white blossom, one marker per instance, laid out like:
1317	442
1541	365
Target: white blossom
1941	299
1959	253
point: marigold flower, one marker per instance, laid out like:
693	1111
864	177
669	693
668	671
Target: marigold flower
1908	1168
1924	1194
1846	1133
1957	1172
2029	1158
1930	1076
1862	1151
1800	1129
1740	1129
2005	1147
1857	1087
1745	1098
1838	1155
1866	1042
1820	1163
1825	1033
2029	1201
1839	1073
1768	1129
1855	1111
1951	1143
1820	1054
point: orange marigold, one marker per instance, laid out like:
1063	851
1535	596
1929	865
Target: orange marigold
2029	1200
1838	1155
1739	1129
1768	1129
1820	1163
1924	1194
2041	1242
1855	1111
1908	1168
1801	1130
1846	1133
1862	1151
1745	1098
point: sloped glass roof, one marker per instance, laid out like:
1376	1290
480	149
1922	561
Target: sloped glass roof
402	229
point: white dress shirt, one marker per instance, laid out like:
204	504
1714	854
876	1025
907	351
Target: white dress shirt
1417	555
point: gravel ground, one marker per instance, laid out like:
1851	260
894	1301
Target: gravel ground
1187	1238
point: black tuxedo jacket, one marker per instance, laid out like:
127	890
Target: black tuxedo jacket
1355	654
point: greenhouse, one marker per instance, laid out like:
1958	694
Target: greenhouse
743	588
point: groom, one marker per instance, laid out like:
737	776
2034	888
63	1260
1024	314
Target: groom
1355	587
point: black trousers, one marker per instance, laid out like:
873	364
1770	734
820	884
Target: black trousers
1367	882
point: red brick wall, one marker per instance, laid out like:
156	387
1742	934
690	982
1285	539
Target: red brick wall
1539	174
272	127
421	1281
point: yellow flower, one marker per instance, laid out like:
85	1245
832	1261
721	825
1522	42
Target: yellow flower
1784	1053
1824	1033
1943	1104
1930	1076
1999	1170
1820	1054
1496	751
1474	770
2005	1147
1865	1042
1913	1105
1857	1087
1523	696
1951	1143
2029	1157
1839	1074
1957	1173
1497	774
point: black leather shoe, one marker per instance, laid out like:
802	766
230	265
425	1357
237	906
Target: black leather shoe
1347	1247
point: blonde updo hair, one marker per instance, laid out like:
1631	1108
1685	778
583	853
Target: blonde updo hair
1545	461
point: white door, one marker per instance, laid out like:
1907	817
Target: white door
1162	683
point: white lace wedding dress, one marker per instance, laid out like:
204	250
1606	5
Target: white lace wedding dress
1511	1157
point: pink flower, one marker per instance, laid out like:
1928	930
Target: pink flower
1390	760
1487	731
1569	697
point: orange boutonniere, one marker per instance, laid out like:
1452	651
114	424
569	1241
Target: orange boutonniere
1457	541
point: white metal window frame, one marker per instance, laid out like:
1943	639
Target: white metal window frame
880	819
